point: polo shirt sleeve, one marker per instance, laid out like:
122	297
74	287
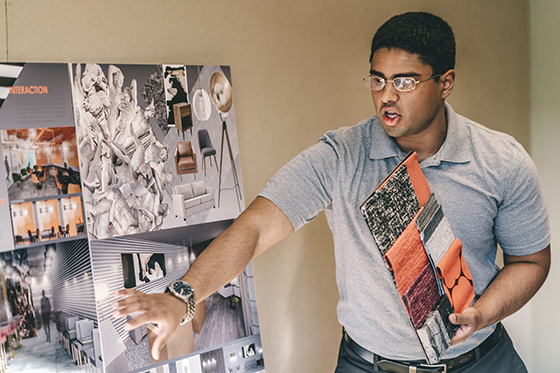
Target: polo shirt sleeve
304	186
521	225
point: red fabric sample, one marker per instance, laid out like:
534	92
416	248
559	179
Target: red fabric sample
421	296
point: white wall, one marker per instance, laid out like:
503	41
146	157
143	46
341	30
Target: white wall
545	144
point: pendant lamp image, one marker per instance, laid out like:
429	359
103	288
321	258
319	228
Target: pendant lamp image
222	98
201	101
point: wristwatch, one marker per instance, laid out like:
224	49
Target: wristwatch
185	292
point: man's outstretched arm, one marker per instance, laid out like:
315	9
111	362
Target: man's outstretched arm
259	227
511	289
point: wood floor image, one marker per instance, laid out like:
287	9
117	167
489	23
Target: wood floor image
223	323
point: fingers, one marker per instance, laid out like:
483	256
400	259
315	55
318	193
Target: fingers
162	309
460	319
126	292
134	301
462	334
468	322
138	321
160	341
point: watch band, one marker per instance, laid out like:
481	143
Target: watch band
190	310
187	297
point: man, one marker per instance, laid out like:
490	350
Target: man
46	315
7	165
485	181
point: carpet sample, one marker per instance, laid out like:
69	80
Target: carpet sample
390	209
440	240
406	258
417	178
422	296
436	333
427	213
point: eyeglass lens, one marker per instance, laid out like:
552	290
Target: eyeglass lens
402	84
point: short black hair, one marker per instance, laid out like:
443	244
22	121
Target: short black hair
421	33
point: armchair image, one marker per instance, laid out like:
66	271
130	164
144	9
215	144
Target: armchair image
192	198
185	158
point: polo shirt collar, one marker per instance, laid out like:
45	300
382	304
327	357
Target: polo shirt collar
455	148
382	145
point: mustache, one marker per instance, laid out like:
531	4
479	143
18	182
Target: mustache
391	105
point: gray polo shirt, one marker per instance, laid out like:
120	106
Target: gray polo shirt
485	181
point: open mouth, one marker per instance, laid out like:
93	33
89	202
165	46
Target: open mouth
391	117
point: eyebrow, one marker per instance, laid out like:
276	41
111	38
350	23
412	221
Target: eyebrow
400	75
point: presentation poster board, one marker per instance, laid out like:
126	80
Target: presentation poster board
119	176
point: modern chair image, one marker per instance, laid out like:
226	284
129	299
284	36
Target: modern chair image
62	187
74	188
185	158
206	149
36	181
42	175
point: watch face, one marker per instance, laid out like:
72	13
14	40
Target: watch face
182	288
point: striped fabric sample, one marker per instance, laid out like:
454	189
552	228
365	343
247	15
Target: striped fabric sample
440	240
430	228
436	333
456	277
390	209
406	258
427	213
422	296
435	230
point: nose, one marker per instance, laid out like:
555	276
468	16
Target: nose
389	93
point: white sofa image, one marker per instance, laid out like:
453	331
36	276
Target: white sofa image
192	198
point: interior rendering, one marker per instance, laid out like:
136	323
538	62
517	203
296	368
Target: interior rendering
47	308
148	262
43	181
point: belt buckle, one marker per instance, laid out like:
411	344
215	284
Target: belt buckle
444	366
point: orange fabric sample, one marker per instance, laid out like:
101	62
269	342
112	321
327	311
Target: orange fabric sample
417	178
407	257
456	277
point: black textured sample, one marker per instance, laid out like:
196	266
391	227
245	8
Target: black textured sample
436	333
389	210
445	309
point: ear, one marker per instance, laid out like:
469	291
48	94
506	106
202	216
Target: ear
448	80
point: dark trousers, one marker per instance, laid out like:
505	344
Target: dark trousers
47	327
501	359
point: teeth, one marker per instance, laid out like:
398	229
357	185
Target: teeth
391	115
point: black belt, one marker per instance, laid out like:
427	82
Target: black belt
419	366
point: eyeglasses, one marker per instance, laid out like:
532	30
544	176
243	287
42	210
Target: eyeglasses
401	84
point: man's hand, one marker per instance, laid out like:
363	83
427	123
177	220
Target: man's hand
513	286
469	321
165	310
